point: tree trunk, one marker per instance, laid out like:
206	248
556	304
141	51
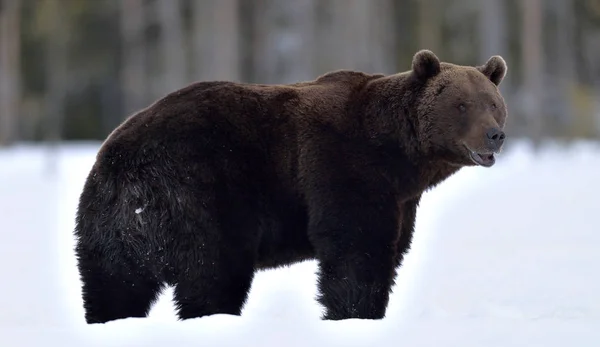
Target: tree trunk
133	71
173	44
284	50
493	37
565	53
351	34
382	37
56	76
492	29
533	68
10	71
56	70
216	40
429	25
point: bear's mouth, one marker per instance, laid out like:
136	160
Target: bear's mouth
482	159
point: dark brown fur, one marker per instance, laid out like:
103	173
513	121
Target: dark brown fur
220	179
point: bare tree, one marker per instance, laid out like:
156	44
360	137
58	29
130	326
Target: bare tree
216	40
10	76
133	71
173	44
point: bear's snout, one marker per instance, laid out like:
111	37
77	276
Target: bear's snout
495	138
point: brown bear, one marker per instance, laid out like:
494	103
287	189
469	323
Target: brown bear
219	179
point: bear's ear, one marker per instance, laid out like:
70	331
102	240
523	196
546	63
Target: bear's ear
425	64
494	69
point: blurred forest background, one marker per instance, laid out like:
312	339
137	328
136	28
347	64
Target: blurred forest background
75	69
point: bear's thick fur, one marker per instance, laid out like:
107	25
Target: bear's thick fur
220	179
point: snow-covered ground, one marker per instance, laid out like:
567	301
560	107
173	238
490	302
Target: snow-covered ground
508	256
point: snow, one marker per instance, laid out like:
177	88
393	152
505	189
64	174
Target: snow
507	256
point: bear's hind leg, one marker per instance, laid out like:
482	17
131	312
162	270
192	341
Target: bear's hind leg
217	289
216	272
116	294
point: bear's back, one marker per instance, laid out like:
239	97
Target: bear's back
215	117
245	107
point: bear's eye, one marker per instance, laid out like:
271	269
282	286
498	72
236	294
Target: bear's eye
493	106
462	107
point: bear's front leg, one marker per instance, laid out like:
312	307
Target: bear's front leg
354	236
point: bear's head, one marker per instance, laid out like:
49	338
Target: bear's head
461	113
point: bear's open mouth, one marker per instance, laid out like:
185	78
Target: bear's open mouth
482	159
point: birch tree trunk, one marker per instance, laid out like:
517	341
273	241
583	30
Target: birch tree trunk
10	71
133	70
216	40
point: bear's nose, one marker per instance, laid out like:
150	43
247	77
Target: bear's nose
496	137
